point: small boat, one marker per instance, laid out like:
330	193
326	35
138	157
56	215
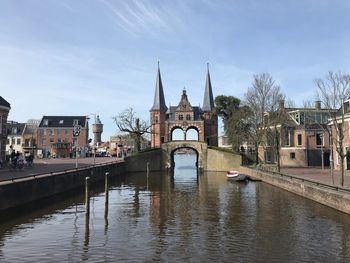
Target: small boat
236	176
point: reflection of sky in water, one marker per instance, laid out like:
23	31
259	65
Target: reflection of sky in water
180	218
185	171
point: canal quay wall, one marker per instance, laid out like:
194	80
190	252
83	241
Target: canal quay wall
138	162
329	195
159	159
219	160
20	191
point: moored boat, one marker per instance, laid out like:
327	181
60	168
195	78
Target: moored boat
236	176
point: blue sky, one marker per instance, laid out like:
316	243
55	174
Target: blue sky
71	57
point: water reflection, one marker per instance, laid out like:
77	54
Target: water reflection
181	216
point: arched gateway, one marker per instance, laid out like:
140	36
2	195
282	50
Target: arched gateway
198	124
169	148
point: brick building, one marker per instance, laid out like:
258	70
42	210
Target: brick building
304	140
55	136
4	111
184	117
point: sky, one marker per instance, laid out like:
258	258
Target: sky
86	57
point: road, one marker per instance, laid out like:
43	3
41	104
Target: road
52	165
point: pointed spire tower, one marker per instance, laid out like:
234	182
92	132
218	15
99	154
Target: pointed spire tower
208	102
210	120
159	101
158	113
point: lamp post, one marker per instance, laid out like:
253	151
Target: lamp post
95	154
321	136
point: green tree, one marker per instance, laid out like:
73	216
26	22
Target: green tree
233	114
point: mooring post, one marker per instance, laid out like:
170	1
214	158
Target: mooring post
147	173
87	194
106	187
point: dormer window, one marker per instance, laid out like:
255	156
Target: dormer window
61	122
75	122
46	122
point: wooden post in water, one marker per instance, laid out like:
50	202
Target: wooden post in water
87	195
147	174
106	187
106	202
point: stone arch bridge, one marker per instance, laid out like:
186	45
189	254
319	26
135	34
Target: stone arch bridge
169	149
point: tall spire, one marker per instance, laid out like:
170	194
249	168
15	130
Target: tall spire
159	101
208	102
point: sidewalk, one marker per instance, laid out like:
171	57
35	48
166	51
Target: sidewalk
317	174
51	165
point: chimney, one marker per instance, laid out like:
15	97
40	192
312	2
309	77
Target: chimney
317	104
281	104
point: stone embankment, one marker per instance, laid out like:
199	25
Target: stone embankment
326	194
30	188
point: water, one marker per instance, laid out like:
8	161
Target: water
186	218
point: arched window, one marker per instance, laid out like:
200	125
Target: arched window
177	134
192	134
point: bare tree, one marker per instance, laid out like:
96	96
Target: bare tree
334	91
262	98
128	122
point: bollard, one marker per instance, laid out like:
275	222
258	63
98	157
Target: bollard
106	187
87	195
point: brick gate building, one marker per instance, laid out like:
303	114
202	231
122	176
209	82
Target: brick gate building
184	116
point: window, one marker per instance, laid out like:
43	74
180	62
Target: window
43	141
13	141
14	130
188	117
162	139
59	132
45	132
300	141
292	155
75	122
319	139
51	140
45	122
156	119
181	117
18	141
287	138
7	141
52	132
60	122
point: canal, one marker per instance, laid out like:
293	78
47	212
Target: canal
185	217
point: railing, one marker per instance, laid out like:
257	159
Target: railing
310	181
34	176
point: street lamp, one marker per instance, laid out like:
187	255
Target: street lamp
321	136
